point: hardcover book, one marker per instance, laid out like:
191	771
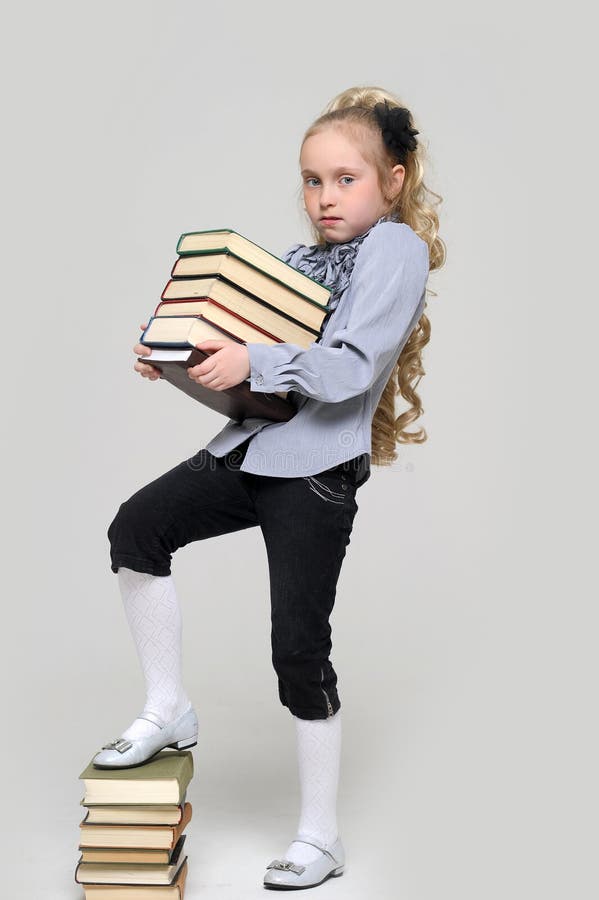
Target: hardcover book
182	332
225	240
154	837
238	402
218	316
243	304
131	873
273	293
125	855
126	814
163	779
174	891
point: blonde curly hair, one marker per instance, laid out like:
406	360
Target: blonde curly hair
415	205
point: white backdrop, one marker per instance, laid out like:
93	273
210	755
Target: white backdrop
463	632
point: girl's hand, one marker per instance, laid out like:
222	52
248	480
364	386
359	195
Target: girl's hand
144	369
228	365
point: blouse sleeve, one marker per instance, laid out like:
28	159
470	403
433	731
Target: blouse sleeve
387	283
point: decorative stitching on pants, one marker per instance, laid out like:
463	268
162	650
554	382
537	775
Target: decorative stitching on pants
315	484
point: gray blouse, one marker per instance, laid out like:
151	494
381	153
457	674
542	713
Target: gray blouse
337	382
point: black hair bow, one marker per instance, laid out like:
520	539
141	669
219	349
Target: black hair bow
398	134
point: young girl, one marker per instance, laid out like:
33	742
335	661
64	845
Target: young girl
376	239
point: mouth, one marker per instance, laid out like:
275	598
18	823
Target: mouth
329	220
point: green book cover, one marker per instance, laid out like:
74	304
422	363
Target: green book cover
168	765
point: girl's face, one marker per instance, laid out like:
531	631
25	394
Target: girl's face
342	194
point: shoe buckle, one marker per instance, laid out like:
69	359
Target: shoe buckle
120	744
286	866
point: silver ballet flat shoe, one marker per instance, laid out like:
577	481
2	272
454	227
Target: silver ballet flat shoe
282	874
121	753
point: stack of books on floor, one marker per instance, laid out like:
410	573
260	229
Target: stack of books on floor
223	286
131	838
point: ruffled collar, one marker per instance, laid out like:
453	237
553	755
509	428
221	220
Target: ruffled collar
330	264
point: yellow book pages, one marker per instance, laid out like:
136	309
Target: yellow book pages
288	330
219	316
225	239
134	836
254	281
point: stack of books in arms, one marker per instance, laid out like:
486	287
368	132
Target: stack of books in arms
223	286
131	837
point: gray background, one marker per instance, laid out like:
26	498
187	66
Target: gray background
464	636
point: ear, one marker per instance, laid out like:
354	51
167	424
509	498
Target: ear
398	174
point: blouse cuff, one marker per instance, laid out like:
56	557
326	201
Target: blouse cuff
262	377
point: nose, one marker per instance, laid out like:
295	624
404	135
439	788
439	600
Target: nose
327	195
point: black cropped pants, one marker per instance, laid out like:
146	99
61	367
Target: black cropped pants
306	523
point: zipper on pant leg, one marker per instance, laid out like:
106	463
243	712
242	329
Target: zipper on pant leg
329	706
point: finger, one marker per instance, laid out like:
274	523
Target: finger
215	385
142	348
202	369
212	345
144	368
202	379
207	380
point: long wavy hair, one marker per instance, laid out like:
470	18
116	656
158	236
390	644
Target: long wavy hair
352	111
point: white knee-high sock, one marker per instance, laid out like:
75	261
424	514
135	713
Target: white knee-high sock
319	755
154	618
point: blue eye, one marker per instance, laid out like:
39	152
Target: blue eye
310	182
347	179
